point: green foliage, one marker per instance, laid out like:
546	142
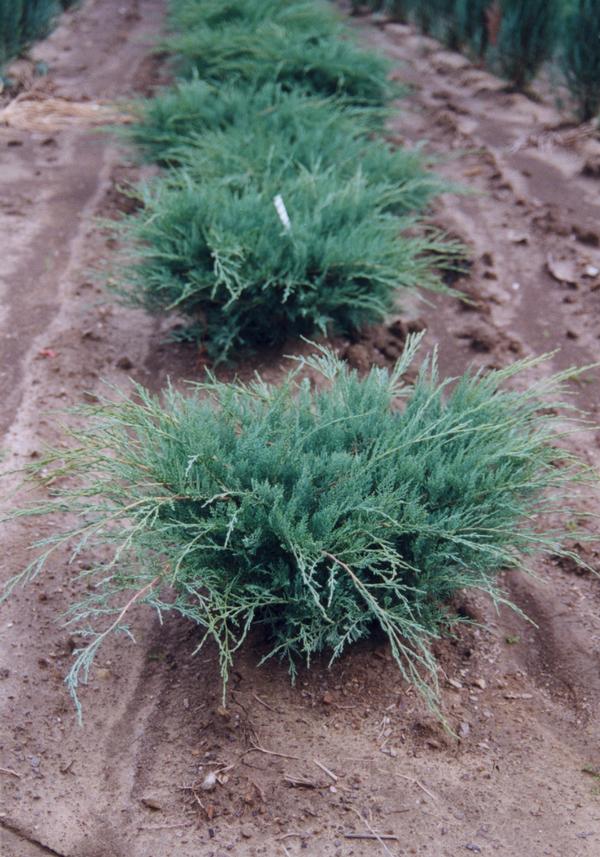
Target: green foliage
299	44
180	115
434	17
318	514
581	56
281	145
263	137
321	66
446	24
211	244
23	21
396	9
218	252
10	29
317	18
528	34
471	25
526	38
424	15
37	19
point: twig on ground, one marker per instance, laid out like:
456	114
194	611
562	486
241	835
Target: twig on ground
374	835
23	834
290	835
10	772
259	790
300	782
259	749
223	770
248	725
326	770
167	826
379	836
419	784
266	704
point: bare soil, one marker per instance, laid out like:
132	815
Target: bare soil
348	749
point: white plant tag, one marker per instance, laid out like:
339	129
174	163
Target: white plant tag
282	212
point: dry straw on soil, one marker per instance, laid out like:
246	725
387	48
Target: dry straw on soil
41	113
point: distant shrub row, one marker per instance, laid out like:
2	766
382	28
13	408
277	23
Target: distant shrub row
281	211
24	21
515	37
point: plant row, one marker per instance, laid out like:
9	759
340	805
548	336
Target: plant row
515	37
281	211
320	512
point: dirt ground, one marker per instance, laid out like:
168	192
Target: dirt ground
349	749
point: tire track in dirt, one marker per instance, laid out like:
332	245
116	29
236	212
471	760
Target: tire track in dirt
58	339
52	182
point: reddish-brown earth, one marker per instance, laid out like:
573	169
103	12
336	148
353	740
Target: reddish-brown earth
523	698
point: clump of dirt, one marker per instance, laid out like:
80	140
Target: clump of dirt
121	197
379	345
591	167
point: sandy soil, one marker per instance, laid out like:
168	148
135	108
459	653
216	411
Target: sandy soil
349	749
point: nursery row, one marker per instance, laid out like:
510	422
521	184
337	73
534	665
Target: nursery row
321	513
281	212
516	37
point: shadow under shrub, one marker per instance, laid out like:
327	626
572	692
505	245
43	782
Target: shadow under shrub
222	256
318	514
